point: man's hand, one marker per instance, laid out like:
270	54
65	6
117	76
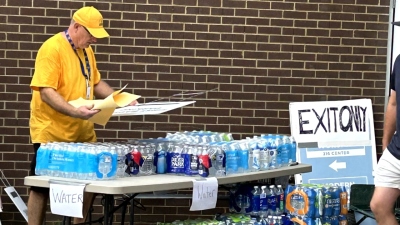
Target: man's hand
133	103
85	112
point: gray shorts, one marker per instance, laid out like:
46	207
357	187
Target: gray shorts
387	173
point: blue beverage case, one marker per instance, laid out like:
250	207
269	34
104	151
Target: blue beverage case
335	194
176	163
334	220
326	220
191	164
328	202
311	194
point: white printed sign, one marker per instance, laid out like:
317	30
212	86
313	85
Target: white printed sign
66	200
337	138
150	108
205	193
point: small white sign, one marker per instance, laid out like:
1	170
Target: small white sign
66	200
205	193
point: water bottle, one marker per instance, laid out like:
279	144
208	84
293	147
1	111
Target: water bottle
328	204
42	160
272	201
120	161
105	163
293	150
270	220
256	160
243	157
135	161
272	149
255	201
161	159
147	167
220	162
69	162
54	165
278	143
177	162
311	197
114	163
285	151
231	159
191	161
91	162
335	194
280	200
275	220
250	163
204	162
81	163
264	201
262	146
279	220
343	201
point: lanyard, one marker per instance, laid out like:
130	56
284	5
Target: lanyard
87	77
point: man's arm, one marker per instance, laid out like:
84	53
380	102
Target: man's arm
102	90
58	103
389	126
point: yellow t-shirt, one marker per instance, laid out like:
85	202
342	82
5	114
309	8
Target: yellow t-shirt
57	66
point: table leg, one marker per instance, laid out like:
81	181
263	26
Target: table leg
106	209
123	212
132	213
90	214
66	220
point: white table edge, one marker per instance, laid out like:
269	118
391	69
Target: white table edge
183	181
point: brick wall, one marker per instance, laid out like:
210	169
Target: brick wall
260	54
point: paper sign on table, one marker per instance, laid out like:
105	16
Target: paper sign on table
107	105
150	108
205	193
66	200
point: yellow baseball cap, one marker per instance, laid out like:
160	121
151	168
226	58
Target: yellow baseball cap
91	19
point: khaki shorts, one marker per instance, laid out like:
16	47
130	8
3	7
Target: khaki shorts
387	173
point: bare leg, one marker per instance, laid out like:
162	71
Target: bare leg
37	204
382	205
88	199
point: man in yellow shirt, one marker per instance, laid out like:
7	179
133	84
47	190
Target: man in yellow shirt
65	69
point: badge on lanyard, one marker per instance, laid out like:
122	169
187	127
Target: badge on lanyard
87	77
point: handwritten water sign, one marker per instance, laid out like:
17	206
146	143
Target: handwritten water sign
66	200
205	193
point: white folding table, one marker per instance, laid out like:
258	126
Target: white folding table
159	182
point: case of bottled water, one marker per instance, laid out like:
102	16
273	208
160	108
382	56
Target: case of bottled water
84	161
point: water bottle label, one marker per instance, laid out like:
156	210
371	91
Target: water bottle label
177	163
256	162
256	203
272	203
231	161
